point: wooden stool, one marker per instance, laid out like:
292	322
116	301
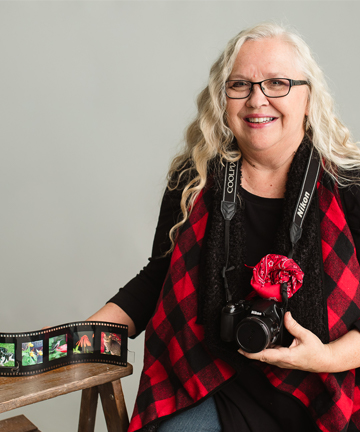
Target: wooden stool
91	378
17	424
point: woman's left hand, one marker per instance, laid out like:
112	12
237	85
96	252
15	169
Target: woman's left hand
308	353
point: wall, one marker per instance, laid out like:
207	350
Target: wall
94	99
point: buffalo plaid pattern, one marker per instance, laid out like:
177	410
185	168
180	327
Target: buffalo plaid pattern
178	368
333	399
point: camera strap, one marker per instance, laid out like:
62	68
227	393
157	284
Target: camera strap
305	196
306	193
228	210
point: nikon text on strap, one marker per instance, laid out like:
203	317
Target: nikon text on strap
306	193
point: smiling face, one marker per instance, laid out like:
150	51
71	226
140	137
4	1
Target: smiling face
259	123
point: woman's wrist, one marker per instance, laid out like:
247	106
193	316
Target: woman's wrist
111	312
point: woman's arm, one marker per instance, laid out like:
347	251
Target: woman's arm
134	304
113	313
308	353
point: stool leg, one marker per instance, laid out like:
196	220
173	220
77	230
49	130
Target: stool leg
89	399
113	402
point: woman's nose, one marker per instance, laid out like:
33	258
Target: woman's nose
256	98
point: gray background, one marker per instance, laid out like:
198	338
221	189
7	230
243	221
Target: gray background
94	100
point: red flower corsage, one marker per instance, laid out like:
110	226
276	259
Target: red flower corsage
271	272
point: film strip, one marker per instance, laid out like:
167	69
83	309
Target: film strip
80	342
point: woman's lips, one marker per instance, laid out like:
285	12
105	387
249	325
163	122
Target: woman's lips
257	121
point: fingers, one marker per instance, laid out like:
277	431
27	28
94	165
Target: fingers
270	355
306	352
280	356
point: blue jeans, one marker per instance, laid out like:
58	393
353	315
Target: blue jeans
202	418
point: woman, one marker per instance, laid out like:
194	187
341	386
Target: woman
266	105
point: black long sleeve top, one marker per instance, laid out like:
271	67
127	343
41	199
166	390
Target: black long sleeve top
249	403
139	296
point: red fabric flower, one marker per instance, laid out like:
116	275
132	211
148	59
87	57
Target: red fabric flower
271	272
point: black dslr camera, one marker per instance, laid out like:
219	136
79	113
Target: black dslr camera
254	325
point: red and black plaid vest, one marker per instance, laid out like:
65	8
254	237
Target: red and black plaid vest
179	369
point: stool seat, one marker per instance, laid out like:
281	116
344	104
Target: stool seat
17	424
91	378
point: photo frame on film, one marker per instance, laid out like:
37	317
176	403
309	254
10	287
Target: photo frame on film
39	351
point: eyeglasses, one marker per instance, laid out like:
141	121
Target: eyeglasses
272	88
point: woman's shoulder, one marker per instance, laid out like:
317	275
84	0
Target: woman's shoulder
348	186
180	175
347	181
186	172
350	198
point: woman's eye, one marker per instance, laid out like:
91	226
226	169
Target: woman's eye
239	84
278	83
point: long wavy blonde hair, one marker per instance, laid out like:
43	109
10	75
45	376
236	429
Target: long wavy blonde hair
208	136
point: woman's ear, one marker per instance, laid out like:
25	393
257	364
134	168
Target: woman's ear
306	123
307	108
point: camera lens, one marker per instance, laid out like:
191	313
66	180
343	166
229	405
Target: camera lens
254	334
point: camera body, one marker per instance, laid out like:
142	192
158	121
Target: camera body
254	324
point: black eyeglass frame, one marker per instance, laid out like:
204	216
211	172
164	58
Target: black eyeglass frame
291	81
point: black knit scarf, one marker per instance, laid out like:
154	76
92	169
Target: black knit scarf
308	305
